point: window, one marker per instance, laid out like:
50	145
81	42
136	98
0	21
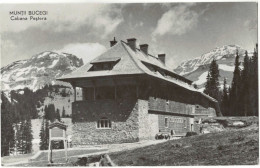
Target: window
166	122
104	123
106	66
177	120
97	67
102	66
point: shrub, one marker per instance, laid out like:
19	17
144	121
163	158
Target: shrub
191	134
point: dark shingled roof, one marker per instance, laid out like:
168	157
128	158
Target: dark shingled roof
131	62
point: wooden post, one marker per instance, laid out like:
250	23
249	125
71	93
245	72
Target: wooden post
65	147
49	152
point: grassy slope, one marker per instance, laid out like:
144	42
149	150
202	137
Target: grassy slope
236	147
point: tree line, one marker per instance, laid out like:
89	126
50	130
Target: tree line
16	115
15	134
241	98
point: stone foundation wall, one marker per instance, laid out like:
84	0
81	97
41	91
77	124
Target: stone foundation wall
130	120
123	115
153	123
148	123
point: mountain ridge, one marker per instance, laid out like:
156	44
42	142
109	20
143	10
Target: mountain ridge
39	70
196	69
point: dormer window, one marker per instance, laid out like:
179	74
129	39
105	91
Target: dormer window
97	67
107	66
103	64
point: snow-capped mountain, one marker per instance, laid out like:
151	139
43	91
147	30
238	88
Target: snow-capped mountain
38	71
196	69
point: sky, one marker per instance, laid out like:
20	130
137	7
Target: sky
180	30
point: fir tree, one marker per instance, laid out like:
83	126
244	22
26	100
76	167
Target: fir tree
235	89
207	85
28	136
46	112
7	123
244	98
63	113
58	115
225	99
254	83
212	83
42	136
46	138
50	113
20	137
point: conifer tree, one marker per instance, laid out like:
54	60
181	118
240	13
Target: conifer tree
28	136
254	101
46	137
225	99
63	112
20	138
235	89
58	115
46	112
212	83
244	98
42	136
52	112
7	123
207	85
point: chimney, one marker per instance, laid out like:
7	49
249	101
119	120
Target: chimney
161	57
112	43
144	48
132	43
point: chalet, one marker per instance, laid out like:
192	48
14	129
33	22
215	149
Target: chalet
130	95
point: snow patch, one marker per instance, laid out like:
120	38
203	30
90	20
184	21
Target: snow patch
201	89
43	54
53	63
18	87
34	85
202	78
53	55
21	92
36	141
226	67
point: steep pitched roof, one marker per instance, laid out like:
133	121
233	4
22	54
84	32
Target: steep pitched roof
125	66
131	62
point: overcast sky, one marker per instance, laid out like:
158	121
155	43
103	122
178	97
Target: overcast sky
180	30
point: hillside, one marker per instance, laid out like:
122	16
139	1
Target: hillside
233	147
40	70
196	69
